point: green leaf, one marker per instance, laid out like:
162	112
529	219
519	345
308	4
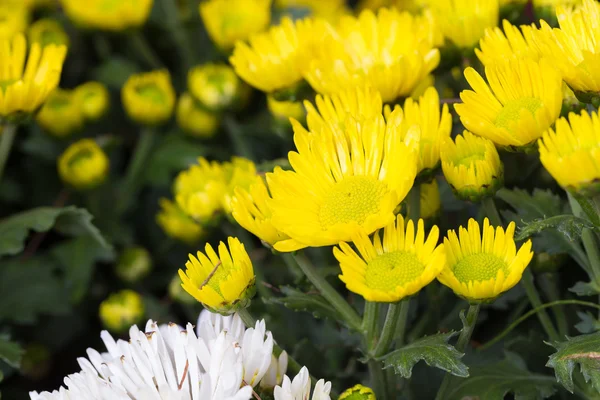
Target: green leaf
569	225
434	350
588	323
114	72
299	301
68	220
495	381
10	352
77	257
585	289
588	208
583	350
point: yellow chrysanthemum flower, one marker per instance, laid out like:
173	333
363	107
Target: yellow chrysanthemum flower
14	18
574	48
358	392
83	165
228	21
464	21
571	152
194	120
392	268
177	224
276	59
430	203
93	99
391	51
223	282
252	210
239	173
472	166
283	110
435	126
523	99
216	86
121	310
199	190
149	98
482	265
108	15
27	85
61	115
509	42
343	180
47	31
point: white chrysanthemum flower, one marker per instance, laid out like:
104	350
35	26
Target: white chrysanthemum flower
276	371
217	323
299	388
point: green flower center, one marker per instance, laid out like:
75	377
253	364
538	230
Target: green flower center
479	267
352	199
471	159
511	112
50	37
109	5
356	396
82	156
58	102
220	274
389	270
152	92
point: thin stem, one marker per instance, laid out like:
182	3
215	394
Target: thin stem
550	287
377	379
491	211
328	292
536	302
414	203
7	137
141	45
402	323
534	311
370	323
389	328
588	240
461	345
131	183
240	144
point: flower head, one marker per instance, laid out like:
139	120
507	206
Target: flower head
93	99
276	371
216	86
47	31
358	392
108	15
195	120
26	86
498	44
391	268
472	167
134	264
222	282
344	179
228	21
61	115
299	388
571	151
83	165
239	173
122	309
482	265
149	98
276	59
199	190
463	22
391	51
177	224
523	99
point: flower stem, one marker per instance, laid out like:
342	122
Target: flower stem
140	44
550	287
389	327
236	136
401	325
414	203
179	35
377	379
491	211
328	292
536	302
370	324
461	345
7	137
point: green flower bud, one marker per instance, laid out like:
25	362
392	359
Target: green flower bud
358	392
134	264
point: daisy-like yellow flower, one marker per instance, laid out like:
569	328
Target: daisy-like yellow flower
216	86
83	165
252	210
392	268
472	166
343	180
509	42
283	110
61	114
195	120
14	18
430	203
149	98
108	15
571	152
26	86
523	99
574	48
47	31
480	266
463	22
121	310
239	173
177	224
223	282
276	59
199	190
435	127
391	51
93	99
228	21
358	392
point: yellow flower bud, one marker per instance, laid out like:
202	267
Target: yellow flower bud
358	392
149	98
239	173
83	165
93	99
61	115
194	120
121	310
283	110
108	15
217	87
47	31
134	264
177	224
